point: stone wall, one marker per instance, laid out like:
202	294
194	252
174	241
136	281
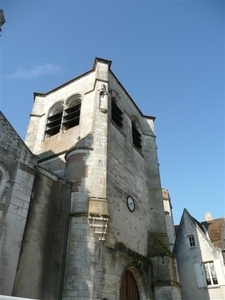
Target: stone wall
17	171
40	269
103	167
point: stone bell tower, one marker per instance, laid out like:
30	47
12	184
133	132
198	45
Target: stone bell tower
90	133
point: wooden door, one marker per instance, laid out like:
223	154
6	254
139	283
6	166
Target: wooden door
129	289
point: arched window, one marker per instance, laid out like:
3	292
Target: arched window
128	288
61	118
4	179
72	112
54	120
136	134
116	113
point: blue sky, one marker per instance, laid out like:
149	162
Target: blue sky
169	56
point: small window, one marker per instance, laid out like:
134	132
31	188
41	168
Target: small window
210	273
54	120
191	240
136	136
117	114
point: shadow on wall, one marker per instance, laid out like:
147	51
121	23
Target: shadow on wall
40	264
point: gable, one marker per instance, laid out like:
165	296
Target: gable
213	231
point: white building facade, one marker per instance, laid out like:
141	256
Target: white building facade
199	250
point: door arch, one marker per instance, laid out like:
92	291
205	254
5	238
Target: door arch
129	288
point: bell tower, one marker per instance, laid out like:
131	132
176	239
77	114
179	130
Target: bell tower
90	133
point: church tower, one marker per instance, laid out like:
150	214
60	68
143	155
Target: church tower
90	133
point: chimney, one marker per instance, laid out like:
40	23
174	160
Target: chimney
208	216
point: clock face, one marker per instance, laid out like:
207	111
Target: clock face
130	203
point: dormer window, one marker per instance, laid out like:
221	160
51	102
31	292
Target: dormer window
191	240
136	135
54	121
116	113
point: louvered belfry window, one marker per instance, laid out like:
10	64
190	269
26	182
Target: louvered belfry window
54	122
117	114
136	136
64	116
72	115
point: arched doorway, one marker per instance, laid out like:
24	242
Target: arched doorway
128	288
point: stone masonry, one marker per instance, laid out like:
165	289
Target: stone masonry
93	148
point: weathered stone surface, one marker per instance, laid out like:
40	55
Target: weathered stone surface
81	246
17	171
41	258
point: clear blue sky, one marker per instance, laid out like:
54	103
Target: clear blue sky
169	56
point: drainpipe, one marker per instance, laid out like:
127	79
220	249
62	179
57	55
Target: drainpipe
65	242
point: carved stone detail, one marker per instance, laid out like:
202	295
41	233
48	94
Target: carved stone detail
99	224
